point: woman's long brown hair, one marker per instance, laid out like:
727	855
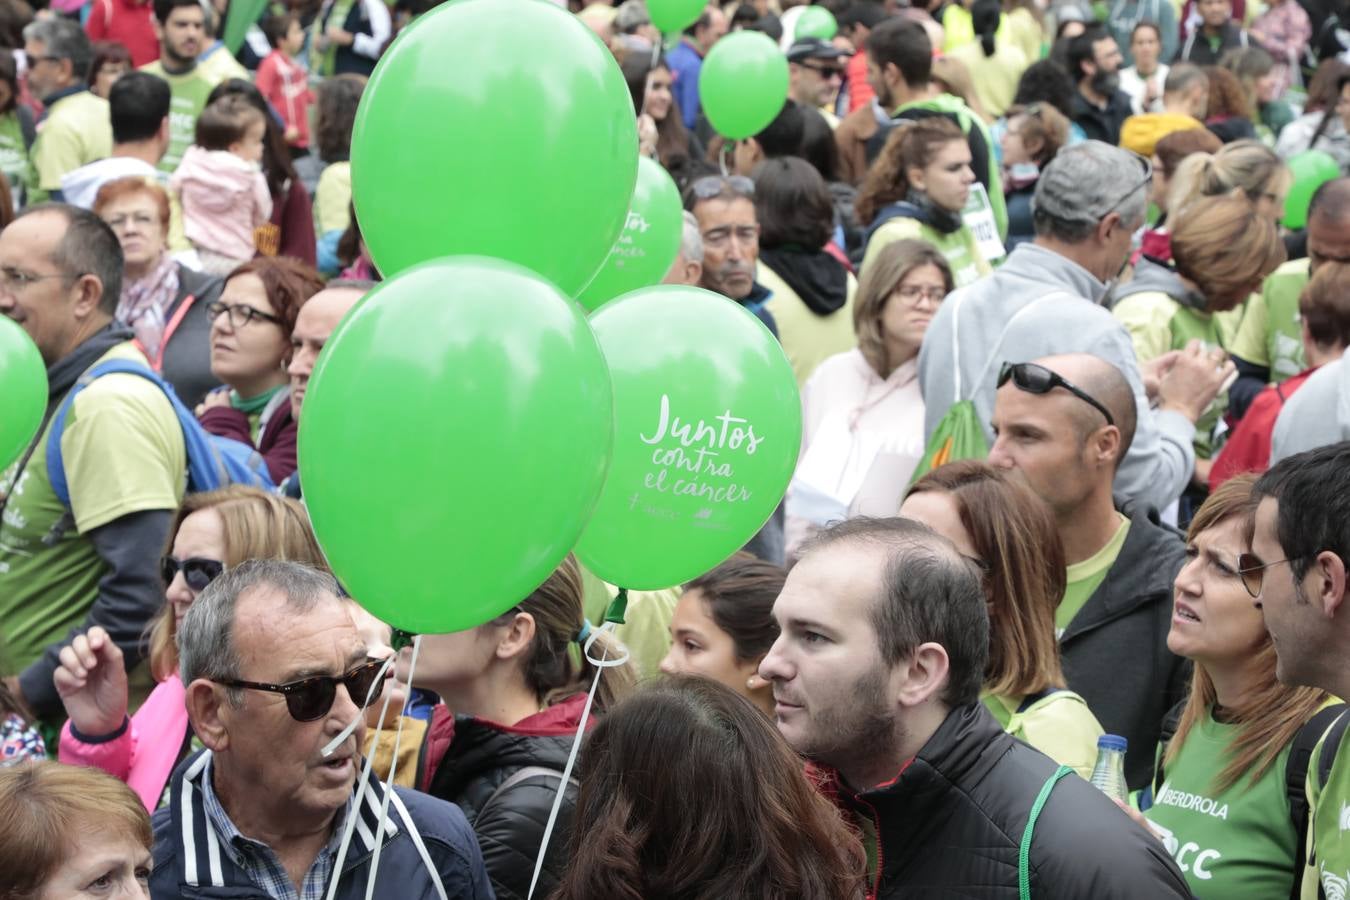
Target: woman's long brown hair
1268	717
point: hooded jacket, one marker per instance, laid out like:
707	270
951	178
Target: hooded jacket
1319	414
951	822
1115	652
811	305
469	761
1067	318
79	187
224	198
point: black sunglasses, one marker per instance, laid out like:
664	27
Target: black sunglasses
1253	571
197	572
1036	379
311	698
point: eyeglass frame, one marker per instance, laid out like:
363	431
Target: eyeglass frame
252	314
1008	371
1246	567
1148	177
919	292
23	281
742	186
291	688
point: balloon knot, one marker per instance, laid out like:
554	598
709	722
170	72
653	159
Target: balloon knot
401	639
618	607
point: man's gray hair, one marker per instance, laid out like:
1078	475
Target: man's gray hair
64	39
631	15
1084	183
691	239
206	637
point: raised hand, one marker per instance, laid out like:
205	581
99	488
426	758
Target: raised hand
93	683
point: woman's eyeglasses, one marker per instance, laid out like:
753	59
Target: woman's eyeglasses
1036	379
240	314
197	572
311	698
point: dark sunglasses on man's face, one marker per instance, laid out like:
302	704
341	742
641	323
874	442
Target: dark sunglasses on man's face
197	572
1036	379
311	698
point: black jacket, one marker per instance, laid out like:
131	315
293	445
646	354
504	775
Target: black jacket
1102	124
467	761
1115	650
186	356
951	823
1198	48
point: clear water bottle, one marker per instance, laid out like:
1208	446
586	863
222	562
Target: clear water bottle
1108	775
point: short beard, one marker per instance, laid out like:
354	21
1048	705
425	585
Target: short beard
862	731
1105	83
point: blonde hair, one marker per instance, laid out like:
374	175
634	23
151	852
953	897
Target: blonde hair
1247	166
257	525
44	805
879	281
1226	247
1271	715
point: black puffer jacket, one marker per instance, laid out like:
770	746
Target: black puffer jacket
470	761
950	825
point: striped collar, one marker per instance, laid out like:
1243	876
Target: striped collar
203	829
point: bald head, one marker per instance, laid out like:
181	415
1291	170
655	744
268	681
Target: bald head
1331	201
1104	383
318	318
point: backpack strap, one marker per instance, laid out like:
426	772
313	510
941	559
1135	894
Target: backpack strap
1330	721
1024	852
521	775
1171	722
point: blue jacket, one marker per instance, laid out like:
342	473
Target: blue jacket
190	863
685	63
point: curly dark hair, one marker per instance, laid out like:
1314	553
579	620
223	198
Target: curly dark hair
911	145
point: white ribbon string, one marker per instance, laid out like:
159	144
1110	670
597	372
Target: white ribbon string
351	726
600	665
389	787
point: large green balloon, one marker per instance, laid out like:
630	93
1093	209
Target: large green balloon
455	437
707	425
1310	169
23	385
674	16
743	84
498	128
816	22
649	243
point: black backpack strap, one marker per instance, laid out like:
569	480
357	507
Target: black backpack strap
1031	700
1170	723
1296	774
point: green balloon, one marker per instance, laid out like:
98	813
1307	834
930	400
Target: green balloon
707	425
816	22
1310	169
743	84
496	128
455	436
23	385
649	243
673	16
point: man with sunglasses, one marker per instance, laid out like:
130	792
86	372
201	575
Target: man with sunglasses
66	568
1046	299
1298	573
815	73
275	671
1063	424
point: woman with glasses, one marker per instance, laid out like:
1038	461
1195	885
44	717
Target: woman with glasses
1222	793
211	531
1222	249
512	693
862	413
250	346
162	300
1033	137
1010	535
917	188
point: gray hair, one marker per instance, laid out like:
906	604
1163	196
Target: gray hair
1082	185
691	239
206	638
64	39
1182	76
631	15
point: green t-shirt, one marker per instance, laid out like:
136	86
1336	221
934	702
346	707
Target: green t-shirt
76	132
958	248
187	100
1271	333
1085	577
1330	803
123	453
1236	844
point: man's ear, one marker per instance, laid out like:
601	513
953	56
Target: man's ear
1106	445
1107	226
209	712
923	676
1329	573
88	290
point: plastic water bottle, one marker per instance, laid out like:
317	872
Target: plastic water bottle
1108	775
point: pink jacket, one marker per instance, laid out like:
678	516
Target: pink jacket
144	754
224	198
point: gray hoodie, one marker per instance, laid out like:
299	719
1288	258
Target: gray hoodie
1317	415
1161	459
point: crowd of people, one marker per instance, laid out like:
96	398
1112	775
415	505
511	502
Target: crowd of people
1069	322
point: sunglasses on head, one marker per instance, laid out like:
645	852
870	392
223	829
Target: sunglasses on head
197	572
710	186
1036	379
311	698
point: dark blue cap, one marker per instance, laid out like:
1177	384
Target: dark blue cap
1112	742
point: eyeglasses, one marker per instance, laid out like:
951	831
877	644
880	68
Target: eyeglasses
197	572
1148	176
240	314
827	71
1036	379
311	698
1253	571
710	186
913	293
15	280
144	220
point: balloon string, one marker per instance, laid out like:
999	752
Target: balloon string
389	786
600	665
727	147
336	742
